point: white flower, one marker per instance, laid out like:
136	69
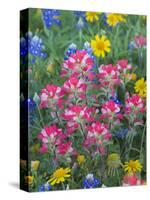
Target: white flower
90	177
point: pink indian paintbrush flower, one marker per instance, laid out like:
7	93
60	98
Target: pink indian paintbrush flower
64	148
134	104
78	113
109	77
50	135
98	135
111	110
79	62
51	96
75	88
108	74
132	180
140	41
123	66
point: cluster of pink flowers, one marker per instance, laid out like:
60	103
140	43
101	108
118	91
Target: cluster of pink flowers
123	66
76	114
135	104
98	135
111	110
64	148
108	75
54	139
140	41
125	70
50	135
78	63
51	96
132	180
75	87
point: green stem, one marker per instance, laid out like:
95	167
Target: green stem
63	186
102	167
80	37
140	57
130	147
81	130
97	63
116	34
59	118
34	127
41	118
118	177
37	124
142	140
98	25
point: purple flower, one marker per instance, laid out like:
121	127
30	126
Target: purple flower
81	20
90	181
121	134
51	17
32	44
44	187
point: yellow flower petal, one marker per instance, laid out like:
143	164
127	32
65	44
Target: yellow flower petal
59	176
100	46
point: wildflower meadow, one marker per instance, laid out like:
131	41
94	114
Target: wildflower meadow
83	90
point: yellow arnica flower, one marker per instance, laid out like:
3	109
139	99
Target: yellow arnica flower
59	176
81	159
100	46
140	87
28	180
113	160
35	164
132	166
114	19
92	16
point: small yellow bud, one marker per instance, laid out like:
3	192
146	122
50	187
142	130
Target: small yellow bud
50	68
134	76
81	159
35	148
35	164
28	180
